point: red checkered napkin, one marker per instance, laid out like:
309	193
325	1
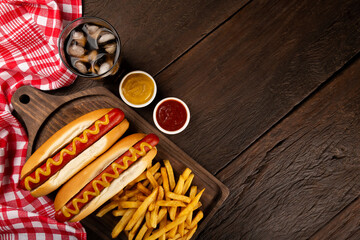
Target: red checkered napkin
28	56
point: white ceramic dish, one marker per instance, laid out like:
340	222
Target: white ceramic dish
137	105
186	122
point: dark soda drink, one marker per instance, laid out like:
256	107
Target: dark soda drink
92	49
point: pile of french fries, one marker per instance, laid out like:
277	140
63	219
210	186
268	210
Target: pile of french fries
155	206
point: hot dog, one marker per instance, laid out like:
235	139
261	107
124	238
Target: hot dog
105	177
70	149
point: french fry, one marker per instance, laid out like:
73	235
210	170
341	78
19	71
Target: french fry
145	183
173	232
130	199
193	191
170	203
159	180
143	189
162	215
155	212
196	219
142	176
192	194
155	168
123	198
148	233
136	227
178	197
190	207
187	183
167	228
147	219
119	212
142	209
189	234
177	236
151	207
107	208
165	178
151	179
122	223
130	235
157	175
182	229
153	218
180	185
186	173
170	174
163	223
197	206
161	193
178	189
160	197
140	197
129	204
142	232
131	193
189	218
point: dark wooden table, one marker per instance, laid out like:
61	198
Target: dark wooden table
274	93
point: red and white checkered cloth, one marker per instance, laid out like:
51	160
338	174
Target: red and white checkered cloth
28	56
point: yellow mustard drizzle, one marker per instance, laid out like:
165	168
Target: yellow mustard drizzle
103	182
49	161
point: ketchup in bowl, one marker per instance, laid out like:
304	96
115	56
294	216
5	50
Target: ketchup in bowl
171	115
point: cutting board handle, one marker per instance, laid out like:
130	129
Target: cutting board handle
33	102
35	106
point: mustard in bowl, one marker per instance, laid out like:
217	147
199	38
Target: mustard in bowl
137	89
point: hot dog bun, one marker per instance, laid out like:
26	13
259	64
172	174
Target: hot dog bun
60	139
82	160
80	180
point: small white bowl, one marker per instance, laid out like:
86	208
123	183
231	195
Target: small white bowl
186	122
137	105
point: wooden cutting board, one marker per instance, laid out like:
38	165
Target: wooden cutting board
43	114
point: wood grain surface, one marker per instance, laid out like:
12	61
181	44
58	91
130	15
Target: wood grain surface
273	90
155	33
345	225
301	174
250	72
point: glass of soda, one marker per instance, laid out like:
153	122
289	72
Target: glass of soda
90	48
